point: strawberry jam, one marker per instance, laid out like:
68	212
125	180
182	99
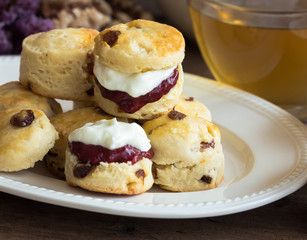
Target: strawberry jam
130	104
94	154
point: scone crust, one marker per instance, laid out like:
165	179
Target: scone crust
191	107
54	63
65	123
141	46
21	147
150	110
117	178
14	95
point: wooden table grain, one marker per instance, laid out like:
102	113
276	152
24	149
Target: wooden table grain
27	219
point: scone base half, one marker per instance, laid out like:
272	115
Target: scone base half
116	178
150	110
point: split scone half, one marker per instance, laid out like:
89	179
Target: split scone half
138	71
25	137
188	152
109	156
14	95
59	63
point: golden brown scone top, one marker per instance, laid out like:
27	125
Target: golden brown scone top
25	138
62	39
14	95
140	45
192	107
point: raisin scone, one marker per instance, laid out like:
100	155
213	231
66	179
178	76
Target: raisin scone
65	123
188	152
111	157
138	71
14	95
59	63
25	137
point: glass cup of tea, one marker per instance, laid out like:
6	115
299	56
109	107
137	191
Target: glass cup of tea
258	46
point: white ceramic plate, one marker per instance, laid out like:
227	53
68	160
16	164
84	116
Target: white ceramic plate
265	150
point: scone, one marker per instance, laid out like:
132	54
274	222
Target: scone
25	137
190	106
14	95
83	104
65	123
188	152
111	157
59	63
138	71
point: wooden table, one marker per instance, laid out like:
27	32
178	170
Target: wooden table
26	219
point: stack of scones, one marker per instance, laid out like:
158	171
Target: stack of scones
131	125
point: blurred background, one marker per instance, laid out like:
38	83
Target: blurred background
20	18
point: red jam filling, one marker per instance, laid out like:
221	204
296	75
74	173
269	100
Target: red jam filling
94	154
130	104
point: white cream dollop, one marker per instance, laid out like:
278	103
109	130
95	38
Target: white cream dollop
135	84
112	134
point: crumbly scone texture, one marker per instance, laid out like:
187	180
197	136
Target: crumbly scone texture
191	107
141	46
55	63
150	110
116	178
14	95
65	123
22	147
188	152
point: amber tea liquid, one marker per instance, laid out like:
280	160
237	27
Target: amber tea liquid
271	63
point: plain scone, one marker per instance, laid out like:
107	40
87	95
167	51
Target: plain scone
65	123
22	147
58	63
14	95
140	47
188	152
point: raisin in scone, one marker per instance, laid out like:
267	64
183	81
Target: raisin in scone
111	157
138	71
59	63
25	137
188	152
65	123
14	95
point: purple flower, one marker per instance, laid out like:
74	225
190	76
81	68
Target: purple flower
5	42
29	5
33	24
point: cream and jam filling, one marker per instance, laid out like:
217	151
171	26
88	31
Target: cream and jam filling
133	91
108	141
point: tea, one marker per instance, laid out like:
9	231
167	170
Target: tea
271	63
